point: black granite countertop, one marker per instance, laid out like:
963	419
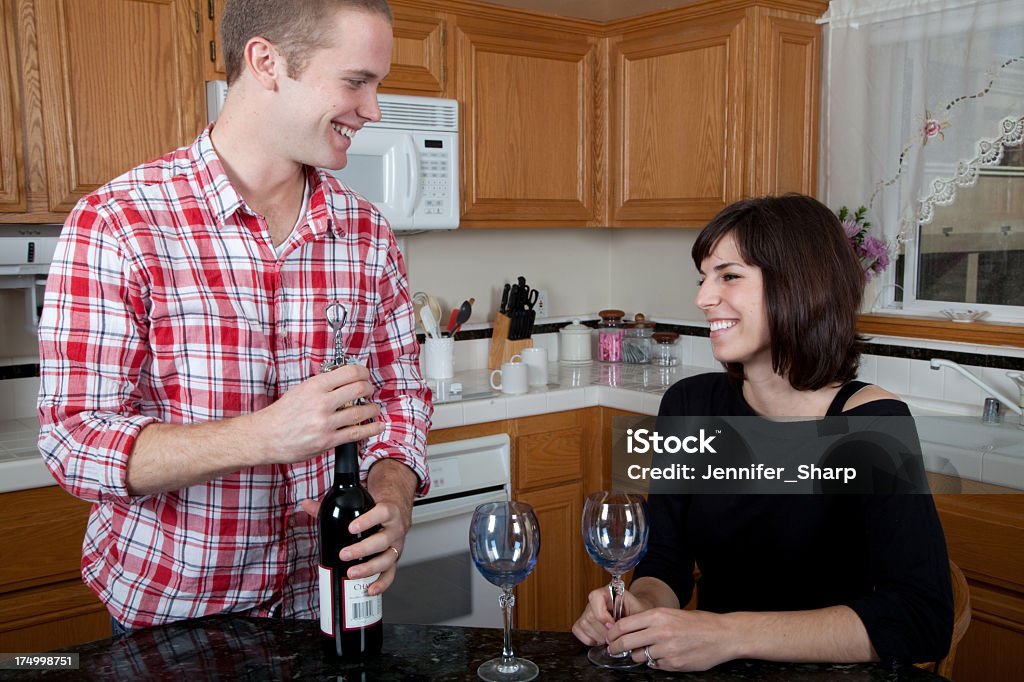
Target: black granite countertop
232	648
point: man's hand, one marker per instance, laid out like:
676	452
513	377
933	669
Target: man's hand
313	417
392	486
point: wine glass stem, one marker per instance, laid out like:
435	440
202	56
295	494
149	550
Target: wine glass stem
618	587
507	600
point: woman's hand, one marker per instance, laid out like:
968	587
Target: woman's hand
675	639
592	627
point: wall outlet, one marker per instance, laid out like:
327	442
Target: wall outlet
541	308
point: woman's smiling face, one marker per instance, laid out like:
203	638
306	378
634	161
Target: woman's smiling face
731	295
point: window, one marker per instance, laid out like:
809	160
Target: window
971	255
923	124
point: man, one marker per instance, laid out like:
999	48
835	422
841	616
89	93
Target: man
184	326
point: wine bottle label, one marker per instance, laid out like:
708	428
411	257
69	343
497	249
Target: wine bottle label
326	601
359	610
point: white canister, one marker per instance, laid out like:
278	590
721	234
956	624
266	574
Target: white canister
574	342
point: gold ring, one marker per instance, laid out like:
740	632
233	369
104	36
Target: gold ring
397	553
652	662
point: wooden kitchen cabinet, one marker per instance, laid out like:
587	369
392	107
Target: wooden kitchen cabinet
985	538
551	598
43	603
556	463
529	132
104	85
212	52
418	60
708	106
12	170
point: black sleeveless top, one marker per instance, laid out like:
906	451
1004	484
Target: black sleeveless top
884	556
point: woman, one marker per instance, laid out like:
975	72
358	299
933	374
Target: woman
844	578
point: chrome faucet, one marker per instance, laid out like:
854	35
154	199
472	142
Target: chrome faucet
939	363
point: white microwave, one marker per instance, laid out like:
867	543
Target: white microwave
406	164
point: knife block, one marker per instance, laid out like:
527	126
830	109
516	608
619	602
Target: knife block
502	349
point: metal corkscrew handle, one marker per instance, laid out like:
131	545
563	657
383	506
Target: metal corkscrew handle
337	315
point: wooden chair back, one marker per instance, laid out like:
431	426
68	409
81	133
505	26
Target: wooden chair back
961	619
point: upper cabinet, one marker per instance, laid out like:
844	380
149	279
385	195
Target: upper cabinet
528	100
785	105
660	120
105	85
677	100
212	52
419	58
12	170
709	106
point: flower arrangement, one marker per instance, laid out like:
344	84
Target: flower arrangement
871	251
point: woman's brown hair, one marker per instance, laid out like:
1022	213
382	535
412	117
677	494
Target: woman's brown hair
813	284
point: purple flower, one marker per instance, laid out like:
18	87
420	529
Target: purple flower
851	228
870	251
874	256
874	248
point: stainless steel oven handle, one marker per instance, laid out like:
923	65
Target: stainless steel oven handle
460	505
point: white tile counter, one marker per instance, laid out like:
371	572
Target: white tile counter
990	454
637	388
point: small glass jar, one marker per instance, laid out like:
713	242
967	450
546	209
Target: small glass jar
609	336
637	343
664	349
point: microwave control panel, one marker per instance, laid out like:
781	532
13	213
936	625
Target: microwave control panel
435	177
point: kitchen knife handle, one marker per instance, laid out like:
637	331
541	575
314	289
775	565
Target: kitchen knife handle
504	298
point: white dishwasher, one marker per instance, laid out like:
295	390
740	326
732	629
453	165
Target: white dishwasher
437	582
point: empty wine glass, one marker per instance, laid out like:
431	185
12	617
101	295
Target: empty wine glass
504	540
615	534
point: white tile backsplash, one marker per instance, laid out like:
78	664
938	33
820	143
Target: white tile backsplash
958	389
684	350
924	381
893	374
702	355
868	371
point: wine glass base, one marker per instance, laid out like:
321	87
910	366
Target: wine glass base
599	656
499	670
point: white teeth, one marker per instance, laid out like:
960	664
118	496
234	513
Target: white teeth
343	130
722	324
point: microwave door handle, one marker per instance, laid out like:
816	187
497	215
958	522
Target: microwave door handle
413	174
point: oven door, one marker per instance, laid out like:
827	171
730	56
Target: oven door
437	582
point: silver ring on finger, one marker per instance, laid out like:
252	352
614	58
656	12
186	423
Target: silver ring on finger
652	662
397	553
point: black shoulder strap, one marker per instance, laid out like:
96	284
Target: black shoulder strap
847	390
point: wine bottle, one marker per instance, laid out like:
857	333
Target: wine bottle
351	623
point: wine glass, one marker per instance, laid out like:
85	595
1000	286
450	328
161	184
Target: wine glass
615	534
504	539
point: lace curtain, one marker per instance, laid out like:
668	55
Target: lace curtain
919	94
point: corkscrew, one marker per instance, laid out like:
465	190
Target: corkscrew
337	315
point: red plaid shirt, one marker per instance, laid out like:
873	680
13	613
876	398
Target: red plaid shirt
167	302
